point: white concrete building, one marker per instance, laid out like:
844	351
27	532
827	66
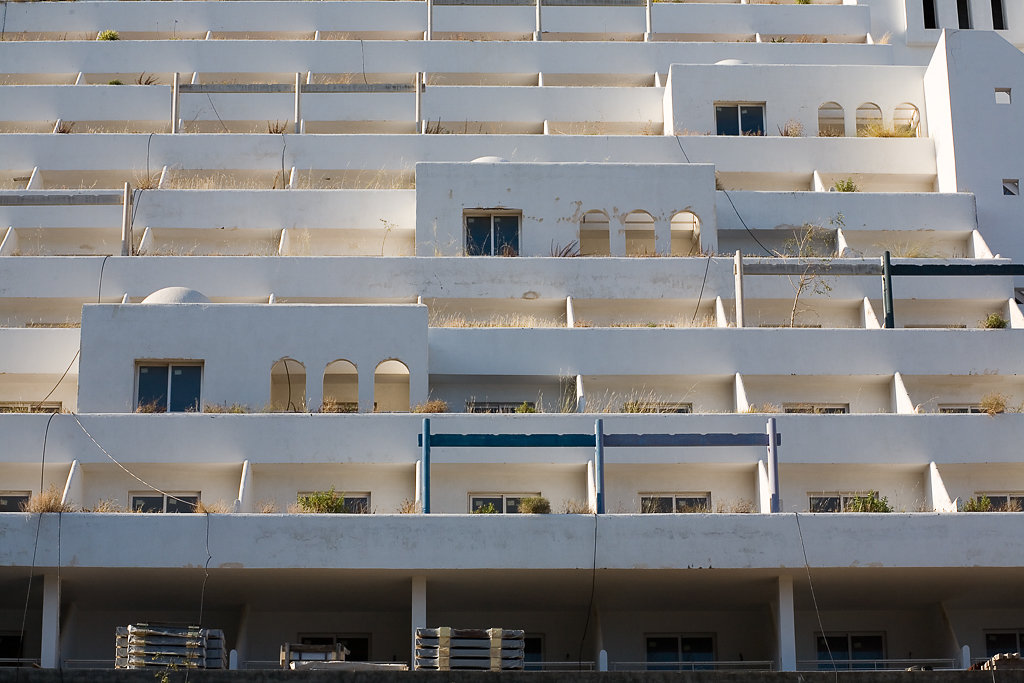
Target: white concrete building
249	248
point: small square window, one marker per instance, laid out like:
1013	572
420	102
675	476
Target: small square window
739	119
1003	96
497	503
13	501
663	503
495	234
168	387
158	502
1011	187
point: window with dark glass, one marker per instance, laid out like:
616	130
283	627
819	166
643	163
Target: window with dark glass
13	501
850	650
495	234
928	8
663	503
681	652
998	15
835	502
169	387
158	502
963	13
1001	642
533	653
739	119
507	503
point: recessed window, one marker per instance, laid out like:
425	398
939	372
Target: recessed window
492	234
680	652
963	13
664	503
497	503
928	8
836	502
533	653
1003	501
30	407
998	15
850	650
168	387
358	645
1003	642
960	409
13	501
817	408
1011	187
501	407
739	119
10	646
158	502
1003	95
642	406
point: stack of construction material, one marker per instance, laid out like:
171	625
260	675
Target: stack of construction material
163	645
452	649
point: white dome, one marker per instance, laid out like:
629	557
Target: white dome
176	295
489	160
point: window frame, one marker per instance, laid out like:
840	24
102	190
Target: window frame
22	496
659	407
960	409
677	497
1011	187
740	131
491	215
8	407
843	496
849	662
496	407
169	395
505	497
1010	497
1017	632
166	499
680	664
814	408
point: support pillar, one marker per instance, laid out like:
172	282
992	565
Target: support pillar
418	613
890	319
49	649
785	625
773	465
737	269
599	466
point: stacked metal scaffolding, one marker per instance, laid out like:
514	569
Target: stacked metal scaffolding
143	645
452	649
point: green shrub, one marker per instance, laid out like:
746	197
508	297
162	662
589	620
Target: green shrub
109	34
526	407
994	321
979	504
486	509
869	503
322	502
115	82
845	185
534	505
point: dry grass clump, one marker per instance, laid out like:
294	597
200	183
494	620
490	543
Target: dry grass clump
109	505
534	505
791	129
878	130
234	408
738	506
573	506
267	507
145	181
408	507
434	405
49	500
504	320
765	407
635	401
277	127
218	508
908	250
994	403
332	405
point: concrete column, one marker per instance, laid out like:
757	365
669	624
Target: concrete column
617	235
314	385
49	649
662	237
737	270
418	613
365	372
785	626
242	639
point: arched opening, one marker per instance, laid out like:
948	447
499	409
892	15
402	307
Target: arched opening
685	229
869	119
288	386
391	387
907	120
341	388
594	235
831	120
639	234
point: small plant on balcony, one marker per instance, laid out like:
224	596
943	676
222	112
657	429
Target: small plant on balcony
526	407
115	82
109	34
993	403
572	506
534	505
792	129
994	321
877	130
845	185
408	507
486	509
50	500
218	508
322	502
233	408
434	405
872	502
979	504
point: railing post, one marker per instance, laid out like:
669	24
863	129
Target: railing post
773	465
175	102
738	295
126	222
599	465
890	318
298	103
425	466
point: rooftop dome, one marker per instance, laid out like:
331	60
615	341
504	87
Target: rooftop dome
489	160
176	295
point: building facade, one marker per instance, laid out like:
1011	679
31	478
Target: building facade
732	288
